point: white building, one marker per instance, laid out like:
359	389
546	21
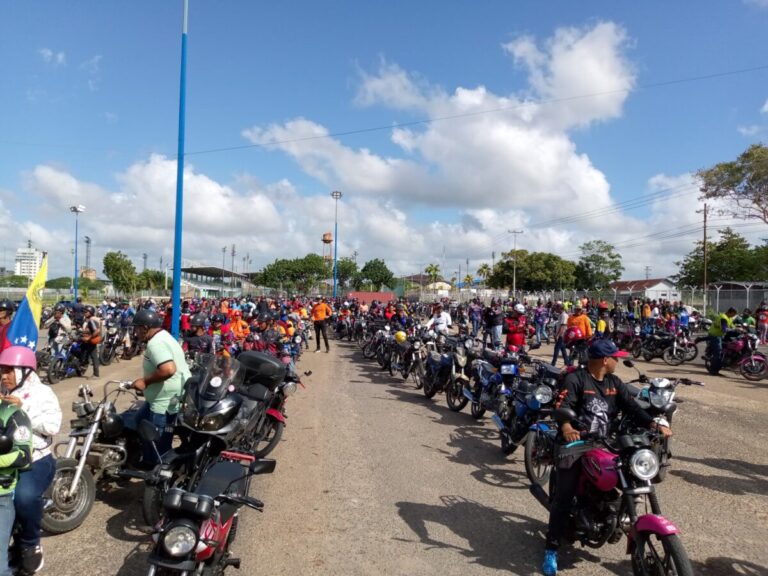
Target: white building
652	289
28	262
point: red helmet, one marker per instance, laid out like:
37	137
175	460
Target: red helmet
18	357
572	335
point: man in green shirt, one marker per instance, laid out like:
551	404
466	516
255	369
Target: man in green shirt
15	455
165	372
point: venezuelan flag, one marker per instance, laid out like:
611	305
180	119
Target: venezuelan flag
23	329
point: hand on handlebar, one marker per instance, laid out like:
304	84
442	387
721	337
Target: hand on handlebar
125	386
569	433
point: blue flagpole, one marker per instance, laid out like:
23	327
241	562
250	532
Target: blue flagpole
74	282
176	294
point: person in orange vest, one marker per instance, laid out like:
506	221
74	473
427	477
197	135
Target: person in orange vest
239	326
321	315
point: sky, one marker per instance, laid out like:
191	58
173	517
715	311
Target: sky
444	124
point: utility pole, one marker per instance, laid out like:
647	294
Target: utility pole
223	256
354	255
87	251
514	262
705	260
144	261
493	259
232	272
647	272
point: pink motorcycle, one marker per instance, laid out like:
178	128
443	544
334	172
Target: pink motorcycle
613	498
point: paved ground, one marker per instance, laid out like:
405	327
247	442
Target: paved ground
372	478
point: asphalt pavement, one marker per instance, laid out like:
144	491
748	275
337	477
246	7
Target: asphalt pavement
372	478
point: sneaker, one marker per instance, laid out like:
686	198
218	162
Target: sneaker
318	350
31	560
549	567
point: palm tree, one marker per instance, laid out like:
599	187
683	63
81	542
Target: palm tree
468	281
484	271
433	271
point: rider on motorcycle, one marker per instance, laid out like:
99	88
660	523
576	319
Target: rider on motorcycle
165	371
516	327
22	387
597	396
719	329
198	341
440	321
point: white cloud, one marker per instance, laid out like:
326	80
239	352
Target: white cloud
757	3
92	65
751	130
764	109
51	57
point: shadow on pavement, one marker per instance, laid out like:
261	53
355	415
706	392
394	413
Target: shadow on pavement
753	478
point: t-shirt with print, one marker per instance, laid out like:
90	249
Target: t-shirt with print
164	396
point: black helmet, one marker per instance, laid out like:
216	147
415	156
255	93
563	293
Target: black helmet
148	318
263	318
60	308
197	320
7	305
90	309
218	318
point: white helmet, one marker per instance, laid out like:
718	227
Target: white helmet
519	308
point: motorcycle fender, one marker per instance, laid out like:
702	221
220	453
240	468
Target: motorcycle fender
652	523
276	414
750	358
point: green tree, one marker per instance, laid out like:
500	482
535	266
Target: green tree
468	280
730	258
484	271
151	280
61	283
14	282
121	271
346	269
433	271
743	183
376	272
598	266
298	274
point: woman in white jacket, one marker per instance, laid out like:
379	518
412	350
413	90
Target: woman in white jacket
21	386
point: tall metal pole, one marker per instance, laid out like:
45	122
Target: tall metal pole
335	195
514	263
176	294
74	281
705	261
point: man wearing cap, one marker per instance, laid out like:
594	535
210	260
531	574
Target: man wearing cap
597	396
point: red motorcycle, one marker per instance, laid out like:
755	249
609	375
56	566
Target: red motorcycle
740	353
198	527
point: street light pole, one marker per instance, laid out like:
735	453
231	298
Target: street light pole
335	195
514	262
76	210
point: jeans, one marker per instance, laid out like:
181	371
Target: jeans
560	347
475	327
541	334
163	422
715	354
29	500
7	515
496	335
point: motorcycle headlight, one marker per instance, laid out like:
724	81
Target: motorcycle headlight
297	339
644	464
461	359
210	423
179	540
189	413
509	368
660	397
543	394
289	388
416	345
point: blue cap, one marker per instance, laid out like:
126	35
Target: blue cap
602	348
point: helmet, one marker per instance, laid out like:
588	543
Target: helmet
148	318
400	337
572	335
197	320
90	309
218	318
262	318
18	357
519	308
60	308
7	305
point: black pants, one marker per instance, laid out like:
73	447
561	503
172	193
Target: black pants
567	482
321	328
91	351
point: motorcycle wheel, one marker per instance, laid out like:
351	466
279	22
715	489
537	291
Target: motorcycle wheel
476	410
538	458
381	356
272	435
507	446
394	359
151	504
417	373
56	371
369	351
673	357
754	369
637	349
655	555
691	352
647	356
430	388
106	354
65	514
453	396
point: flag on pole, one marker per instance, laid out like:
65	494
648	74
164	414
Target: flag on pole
23	329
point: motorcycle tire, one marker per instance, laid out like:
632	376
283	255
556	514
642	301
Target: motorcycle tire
754	369
476	410
454	397
64	515
418	375
56	371
647	356
691	352
393	361
381	356
538	458
636	349
430	387
651	554
106	354
151	504
369	351
673	357
271	439
507	445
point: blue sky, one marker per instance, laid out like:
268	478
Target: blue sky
89	105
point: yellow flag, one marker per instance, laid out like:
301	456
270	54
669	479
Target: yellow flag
35	291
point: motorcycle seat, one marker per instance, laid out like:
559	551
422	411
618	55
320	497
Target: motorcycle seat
549	371
223	477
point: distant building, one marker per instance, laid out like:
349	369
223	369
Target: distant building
28	261
653	289
89	273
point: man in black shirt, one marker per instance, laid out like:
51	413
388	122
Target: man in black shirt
198	341
597	396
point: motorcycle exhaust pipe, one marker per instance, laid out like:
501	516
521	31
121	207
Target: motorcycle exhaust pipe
540	495
498	421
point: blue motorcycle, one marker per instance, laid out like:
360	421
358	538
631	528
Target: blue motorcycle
66	361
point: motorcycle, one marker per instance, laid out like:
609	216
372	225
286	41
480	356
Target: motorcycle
655	346
199	526
683	349
740	353
614	489
66	361
111	344
454	392
439	368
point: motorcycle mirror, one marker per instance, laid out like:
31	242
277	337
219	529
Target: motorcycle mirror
629	363
263	466
148	432
563	414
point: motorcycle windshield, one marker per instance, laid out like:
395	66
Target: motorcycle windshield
215	377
